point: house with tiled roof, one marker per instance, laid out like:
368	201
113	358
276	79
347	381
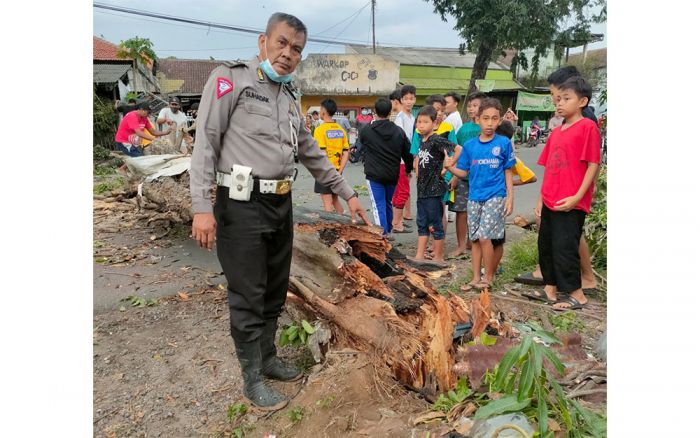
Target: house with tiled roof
114	77
184	78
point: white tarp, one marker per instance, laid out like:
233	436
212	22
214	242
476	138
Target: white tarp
154	166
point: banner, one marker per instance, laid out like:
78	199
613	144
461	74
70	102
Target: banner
534	102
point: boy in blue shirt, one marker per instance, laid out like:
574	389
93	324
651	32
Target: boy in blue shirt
488	160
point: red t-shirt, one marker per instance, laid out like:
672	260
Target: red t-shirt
565	158
129	124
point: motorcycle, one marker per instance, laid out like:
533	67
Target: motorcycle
533	136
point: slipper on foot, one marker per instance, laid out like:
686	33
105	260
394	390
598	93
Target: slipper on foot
530	279
575	304
469	286
400	231
539	296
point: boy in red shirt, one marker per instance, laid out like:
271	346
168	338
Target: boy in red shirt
571	159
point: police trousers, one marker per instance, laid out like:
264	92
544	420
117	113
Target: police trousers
254	246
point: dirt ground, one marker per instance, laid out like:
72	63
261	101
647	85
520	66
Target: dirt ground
169	369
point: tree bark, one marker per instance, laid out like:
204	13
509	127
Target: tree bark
351	276
481	64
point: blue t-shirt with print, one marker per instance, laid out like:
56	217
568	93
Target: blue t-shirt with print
486	163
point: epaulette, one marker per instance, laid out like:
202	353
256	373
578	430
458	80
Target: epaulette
237	63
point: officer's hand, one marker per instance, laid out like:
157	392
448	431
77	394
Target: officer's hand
204	229
356	207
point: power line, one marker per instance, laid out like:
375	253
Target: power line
212	24
343	20
357	14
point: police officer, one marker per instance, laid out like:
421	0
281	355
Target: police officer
249	129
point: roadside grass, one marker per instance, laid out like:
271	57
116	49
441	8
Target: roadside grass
519	257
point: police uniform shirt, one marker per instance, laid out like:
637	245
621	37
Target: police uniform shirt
246	119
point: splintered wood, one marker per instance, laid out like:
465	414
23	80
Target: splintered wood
350	275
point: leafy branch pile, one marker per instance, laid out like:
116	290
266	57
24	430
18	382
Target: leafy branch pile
595	228
104	120
296	335
521	382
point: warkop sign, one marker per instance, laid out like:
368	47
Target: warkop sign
347	74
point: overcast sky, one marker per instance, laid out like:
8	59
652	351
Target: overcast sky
403	22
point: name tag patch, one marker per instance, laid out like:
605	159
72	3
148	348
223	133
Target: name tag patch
223	86
334	133
253	95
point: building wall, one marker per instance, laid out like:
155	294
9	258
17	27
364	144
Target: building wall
439	80
346	75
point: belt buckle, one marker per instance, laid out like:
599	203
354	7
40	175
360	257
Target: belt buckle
283	187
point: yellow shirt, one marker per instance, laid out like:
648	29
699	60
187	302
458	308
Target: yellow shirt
333	139
522	171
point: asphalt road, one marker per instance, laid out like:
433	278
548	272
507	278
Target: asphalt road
176	264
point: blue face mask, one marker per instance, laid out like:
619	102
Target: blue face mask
271	73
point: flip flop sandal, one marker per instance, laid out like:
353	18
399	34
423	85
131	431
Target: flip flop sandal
408	218
467	287
538	295
483	285
529	279
400	231
575	304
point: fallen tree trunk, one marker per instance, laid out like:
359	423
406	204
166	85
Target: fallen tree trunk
351	276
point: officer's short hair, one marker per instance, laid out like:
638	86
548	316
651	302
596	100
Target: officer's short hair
395	95
382	106
330	106
314	113
291	20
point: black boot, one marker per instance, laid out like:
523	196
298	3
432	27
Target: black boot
254	388
272	366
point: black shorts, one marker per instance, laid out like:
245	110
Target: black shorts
323	190
499	242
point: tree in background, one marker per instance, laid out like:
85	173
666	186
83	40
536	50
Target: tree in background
139	50
489	27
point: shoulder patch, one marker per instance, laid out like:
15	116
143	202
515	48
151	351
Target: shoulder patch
223	86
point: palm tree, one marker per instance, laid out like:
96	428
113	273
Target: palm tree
139	50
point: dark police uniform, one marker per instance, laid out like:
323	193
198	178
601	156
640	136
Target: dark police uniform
246	119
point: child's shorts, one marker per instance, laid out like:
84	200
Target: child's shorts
461	196
487	219
430	213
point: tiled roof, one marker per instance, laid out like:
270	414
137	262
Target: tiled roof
435	56
104	50
186	76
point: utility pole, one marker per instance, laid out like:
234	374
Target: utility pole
374	43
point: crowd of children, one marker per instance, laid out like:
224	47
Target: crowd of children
471	171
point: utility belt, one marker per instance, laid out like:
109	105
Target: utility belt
241	183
